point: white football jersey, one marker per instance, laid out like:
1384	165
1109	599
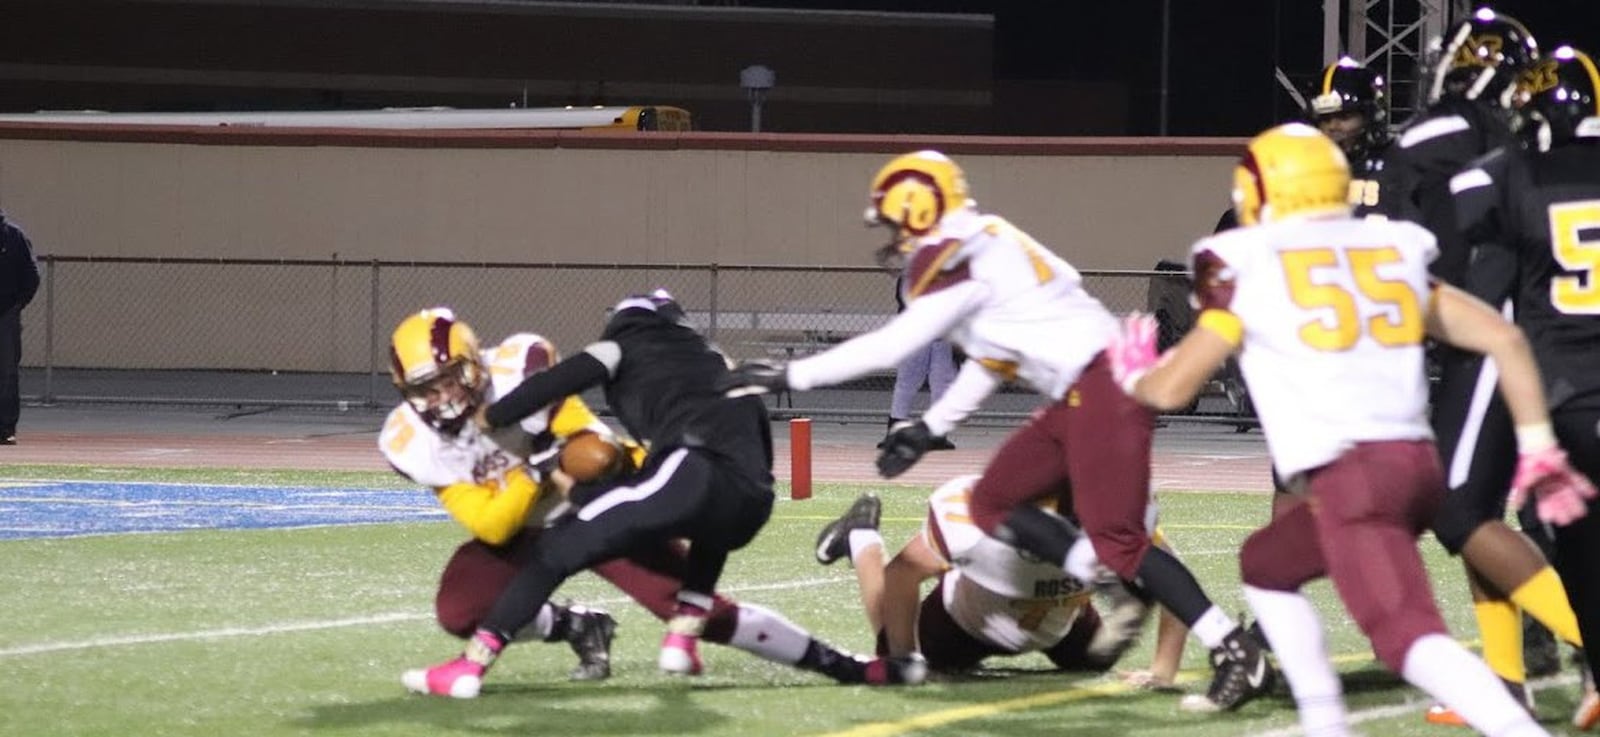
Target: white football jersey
997	593
1333	313
433	459
1037	324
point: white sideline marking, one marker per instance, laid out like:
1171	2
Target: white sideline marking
326	624
1410	705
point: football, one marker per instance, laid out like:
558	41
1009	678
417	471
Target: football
589	457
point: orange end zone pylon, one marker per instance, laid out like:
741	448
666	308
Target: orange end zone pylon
800	458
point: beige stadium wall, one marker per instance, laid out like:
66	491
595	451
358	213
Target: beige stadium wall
522	197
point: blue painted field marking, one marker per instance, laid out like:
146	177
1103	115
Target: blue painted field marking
32	509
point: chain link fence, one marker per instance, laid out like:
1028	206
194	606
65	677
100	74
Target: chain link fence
314	334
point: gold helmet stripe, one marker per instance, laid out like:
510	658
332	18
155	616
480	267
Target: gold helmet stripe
1594	75
1327	78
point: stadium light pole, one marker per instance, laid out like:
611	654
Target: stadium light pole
1166	55
756	80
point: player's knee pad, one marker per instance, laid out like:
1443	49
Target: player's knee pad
1263	566
457	619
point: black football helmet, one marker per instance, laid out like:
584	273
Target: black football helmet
1347	87
1480	58
1563	97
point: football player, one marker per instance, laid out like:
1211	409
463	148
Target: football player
1327	313
1533	219
990	600
1351	106
1020	313
1472	93
493	485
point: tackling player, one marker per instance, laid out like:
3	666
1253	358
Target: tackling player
1020	314
1472	94
1327	314
1533	218
990	600
489	483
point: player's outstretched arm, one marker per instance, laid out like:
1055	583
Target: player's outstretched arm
902	588
571	376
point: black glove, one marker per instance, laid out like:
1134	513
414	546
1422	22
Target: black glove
905	445
753	377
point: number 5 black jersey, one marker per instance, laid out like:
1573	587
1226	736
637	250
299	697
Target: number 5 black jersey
1533	220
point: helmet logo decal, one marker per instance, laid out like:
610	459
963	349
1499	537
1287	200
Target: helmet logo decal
917	220
1542	76
1479	51
439	340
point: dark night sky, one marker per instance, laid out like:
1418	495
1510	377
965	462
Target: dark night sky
1223	52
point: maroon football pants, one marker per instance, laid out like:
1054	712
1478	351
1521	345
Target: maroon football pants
1090	453
1358	525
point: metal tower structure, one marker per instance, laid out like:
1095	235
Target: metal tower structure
1392	37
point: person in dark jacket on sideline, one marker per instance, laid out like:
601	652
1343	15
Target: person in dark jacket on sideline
19	281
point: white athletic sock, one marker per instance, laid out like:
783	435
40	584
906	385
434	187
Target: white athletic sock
539	629
1294	628
1463	682
1212	627
766	634
1081	560
861	539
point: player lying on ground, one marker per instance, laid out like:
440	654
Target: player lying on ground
1327	314
990	600
489	486
1021	314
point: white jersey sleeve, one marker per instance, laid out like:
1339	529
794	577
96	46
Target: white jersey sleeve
1035	324
1333	315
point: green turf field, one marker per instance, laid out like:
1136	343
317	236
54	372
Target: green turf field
306	631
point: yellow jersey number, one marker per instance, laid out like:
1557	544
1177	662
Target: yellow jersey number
1401	324
1576	295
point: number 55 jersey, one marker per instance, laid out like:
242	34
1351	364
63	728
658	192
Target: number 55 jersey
1330	312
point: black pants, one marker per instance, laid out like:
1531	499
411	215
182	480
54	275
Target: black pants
1476	444
10	373
686	493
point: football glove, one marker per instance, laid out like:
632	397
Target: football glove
1560	494
905	445
1132	350
754	377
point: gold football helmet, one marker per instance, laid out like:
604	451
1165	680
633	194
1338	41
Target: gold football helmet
435	363
911	194
1290	170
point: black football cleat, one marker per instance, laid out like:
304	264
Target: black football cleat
833	542
590	632
1242	673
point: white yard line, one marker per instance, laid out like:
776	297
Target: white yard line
1410	705
325	624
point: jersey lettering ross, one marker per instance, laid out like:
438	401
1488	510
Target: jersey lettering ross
997	593
1333	316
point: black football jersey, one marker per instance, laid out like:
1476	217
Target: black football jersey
663	388
658	374
1416	172
1367	181
1533	220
